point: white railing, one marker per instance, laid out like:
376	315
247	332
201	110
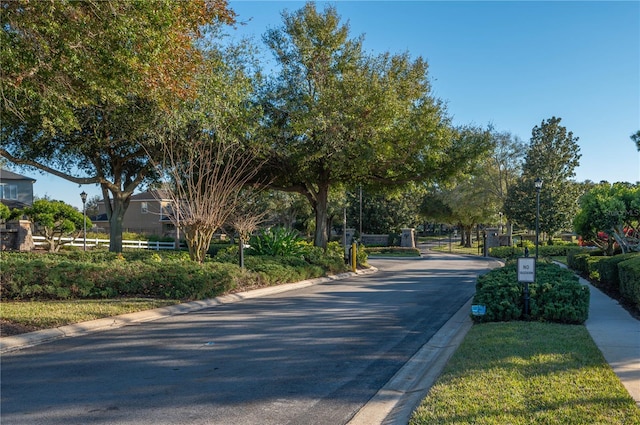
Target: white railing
93	242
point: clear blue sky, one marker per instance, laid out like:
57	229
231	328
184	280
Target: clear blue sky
509	63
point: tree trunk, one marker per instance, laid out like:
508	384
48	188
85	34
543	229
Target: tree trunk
198	241
329	225
115	208
320	207
467	239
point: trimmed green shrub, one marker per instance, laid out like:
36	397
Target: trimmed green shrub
393	250
555	250
331	260
501	293
577	259
629	272
608	269
557	295
506	252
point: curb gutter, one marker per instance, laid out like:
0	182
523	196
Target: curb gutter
30	339
396	400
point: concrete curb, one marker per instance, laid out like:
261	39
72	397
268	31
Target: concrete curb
17	342
397	399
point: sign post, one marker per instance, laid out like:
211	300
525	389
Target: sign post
526	275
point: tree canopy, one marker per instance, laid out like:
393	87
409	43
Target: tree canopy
610	214
636	139
552	155
87	85
61	55
335	115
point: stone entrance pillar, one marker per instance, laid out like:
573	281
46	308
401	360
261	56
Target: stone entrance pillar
408	240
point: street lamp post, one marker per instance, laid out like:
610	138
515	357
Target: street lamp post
538	185
83	196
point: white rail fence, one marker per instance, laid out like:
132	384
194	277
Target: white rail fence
93	242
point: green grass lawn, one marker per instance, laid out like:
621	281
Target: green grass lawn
527	373
50	314
456	248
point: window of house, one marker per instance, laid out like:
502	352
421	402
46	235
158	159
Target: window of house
144	208
8	191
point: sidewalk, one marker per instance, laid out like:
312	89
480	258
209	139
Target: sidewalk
617	335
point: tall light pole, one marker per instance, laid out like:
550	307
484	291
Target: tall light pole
360	219
83	196
538	185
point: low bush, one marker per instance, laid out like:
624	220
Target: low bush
608	270
557	295
629	273
276	241
577	259
392	250
162	274
545	251
506	252
332	260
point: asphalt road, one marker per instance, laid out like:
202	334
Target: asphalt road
311	356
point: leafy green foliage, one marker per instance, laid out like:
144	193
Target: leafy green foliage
276	241
610	214
608	269
167	275
5	213
331	259
54	220
545	251
629	272
552	155
557	295
384	211
506	252
335	115
393	251
62	55
88	86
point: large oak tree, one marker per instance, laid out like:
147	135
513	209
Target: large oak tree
335	115
85	83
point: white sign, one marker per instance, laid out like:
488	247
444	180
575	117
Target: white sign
527	270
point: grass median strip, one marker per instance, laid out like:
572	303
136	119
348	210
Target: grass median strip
524	373
50	314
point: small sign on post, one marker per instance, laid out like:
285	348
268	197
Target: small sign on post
526	269
527	275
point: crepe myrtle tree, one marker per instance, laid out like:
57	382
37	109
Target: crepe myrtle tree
205	155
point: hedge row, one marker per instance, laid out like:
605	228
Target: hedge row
170	275
629	272
545	251
557	295
620	273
